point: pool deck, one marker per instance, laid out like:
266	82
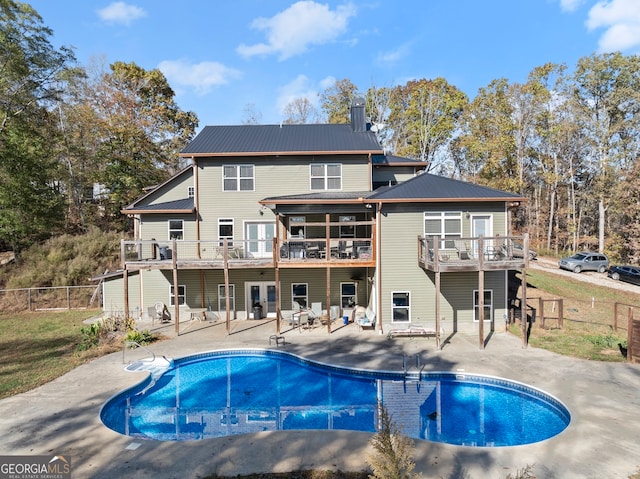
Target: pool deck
602	441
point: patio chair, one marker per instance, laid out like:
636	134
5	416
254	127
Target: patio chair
153	314
162	312
316	310
463	250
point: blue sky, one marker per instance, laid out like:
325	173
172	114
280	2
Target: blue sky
221	56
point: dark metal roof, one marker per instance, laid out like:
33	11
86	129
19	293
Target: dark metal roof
392	160
428	187
281	139
186	205
319	197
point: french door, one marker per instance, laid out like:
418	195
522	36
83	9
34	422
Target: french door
259	239
262	293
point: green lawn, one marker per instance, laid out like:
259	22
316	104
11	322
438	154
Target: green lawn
39	347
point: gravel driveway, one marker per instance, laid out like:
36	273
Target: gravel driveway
550	265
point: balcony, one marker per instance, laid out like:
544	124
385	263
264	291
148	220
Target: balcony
292	253
472	254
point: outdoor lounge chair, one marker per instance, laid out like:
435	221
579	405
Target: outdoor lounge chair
364	317
463	250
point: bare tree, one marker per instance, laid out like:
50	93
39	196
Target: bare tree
300	111
251	115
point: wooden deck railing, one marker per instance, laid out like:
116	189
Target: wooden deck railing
473	254
247	253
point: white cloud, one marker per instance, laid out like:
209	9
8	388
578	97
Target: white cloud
201	77
621	21
293	30
570	5
120	12
394	56
299	87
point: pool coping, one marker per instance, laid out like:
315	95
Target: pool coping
601	440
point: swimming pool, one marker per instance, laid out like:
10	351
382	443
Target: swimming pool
229	392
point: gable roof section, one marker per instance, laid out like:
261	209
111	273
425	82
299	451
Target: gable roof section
141	204
184	206
263	140
432	188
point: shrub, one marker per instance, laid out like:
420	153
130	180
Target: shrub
393	458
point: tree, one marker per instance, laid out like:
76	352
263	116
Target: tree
424	116
378	108
606	93
30	195
300	111
122	130
336	101
252	116
485	149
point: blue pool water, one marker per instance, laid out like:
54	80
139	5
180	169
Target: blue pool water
237	392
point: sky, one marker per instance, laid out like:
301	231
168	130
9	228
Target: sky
224	58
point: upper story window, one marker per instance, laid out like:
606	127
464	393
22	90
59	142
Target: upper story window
445	224
238	178
176	229
225	229
326	176
191	192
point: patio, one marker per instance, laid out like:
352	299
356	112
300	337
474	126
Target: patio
62	417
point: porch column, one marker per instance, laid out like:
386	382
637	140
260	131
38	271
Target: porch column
327	234
125	281
438	310
481	307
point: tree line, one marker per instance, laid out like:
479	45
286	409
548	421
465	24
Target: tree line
565	140
78	143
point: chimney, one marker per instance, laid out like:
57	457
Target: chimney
358	122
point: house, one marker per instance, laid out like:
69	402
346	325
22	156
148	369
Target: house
270	218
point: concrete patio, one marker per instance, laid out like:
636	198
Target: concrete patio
601	442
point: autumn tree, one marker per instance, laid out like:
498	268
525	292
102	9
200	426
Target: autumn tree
30	195
424	116
123	131
606	93
484	151
335	101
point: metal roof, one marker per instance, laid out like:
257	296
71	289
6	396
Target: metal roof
328	196
428	187
186	205
393	160
281	139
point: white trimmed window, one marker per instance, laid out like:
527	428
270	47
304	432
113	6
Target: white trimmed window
300	294
326	176
176	229
222	298
488	305
401	307
225	229
238	178
191	191
182	295
348	295
445	224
